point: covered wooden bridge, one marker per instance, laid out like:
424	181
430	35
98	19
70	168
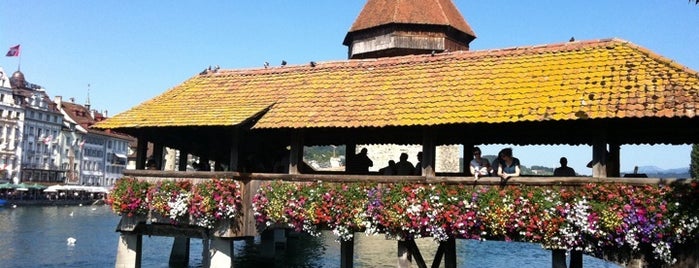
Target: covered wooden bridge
603	93
410	80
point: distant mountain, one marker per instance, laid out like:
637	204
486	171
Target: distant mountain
657	172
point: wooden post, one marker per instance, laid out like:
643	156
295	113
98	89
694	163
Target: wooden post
613	161
558	258
247	222
347	253
296	156
221	253
415	252
599	160
429	152
205	257
350	152
158	154
179	255
235	140
267	250
182	161
467	157
141	153
576	259
129	250
450	253
405	260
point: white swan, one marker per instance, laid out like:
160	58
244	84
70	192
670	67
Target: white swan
71	213
71	241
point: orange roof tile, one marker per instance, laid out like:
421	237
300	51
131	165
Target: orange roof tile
596	79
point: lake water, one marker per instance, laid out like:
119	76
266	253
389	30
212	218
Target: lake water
37	237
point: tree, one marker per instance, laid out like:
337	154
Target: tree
694	161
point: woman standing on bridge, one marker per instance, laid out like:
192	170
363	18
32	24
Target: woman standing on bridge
509	166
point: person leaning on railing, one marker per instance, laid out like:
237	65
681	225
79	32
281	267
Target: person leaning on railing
509	165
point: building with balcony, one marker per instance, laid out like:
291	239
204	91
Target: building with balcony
11	126
91	157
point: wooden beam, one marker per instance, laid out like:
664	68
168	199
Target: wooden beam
235	150
347	253
141	153
450	253
182	161
613	160
467	157
155	175
296	152
429	152
158	155
576	259
415	252
558	258
405	259
599	160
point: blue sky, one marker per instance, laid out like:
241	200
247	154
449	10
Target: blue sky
131	51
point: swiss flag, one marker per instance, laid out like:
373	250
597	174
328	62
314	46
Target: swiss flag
13	52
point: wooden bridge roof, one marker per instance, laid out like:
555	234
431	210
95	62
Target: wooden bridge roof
597	79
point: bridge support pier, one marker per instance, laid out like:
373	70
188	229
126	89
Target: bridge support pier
219	253
272	241
576	259
405	258
558	258
179	255
347	253
129	251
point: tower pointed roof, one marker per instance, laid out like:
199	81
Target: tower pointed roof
402	27
429	12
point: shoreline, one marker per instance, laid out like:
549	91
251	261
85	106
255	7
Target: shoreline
44	202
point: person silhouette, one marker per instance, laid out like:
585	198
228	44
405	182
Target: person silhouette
418	166
390	169
362	162
564	170
404	167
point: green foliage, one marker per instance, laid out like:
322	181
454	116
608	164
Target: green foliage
694	162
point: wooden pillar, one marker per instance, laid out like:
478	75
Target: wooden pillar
613	163
347	253
576	259
141	153
205	257
405	259
179	255
429	152
350	152
204	164
599	160
247	222
182	161
158	154
558	258
221	253
271	241
450	253
296	152
467	157
129	251
235	148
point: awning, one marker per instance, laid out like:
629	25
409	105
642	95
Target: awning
120	155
